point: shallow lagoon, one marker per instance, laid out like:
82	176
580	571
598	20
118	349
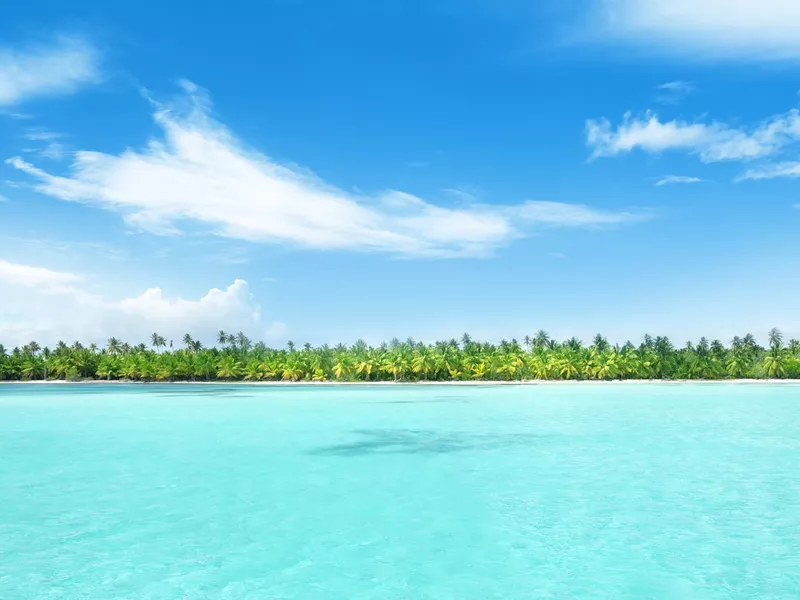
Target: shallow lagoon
400	492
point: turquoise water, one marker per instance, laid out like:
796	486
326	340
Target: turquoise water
608	492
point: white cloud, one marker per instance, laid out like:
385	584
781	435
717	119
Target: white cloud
53	150
784	169
46	305
200	174
36	277
677	87
3	198
39	134
277	332
460	195
557	214
12	114
673	92
673	179
712	142
703	29
58	68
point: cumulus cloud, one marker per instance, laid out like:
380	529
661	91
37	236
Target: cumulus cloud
57	68
784	169
200	175
712	142
673	179
703	29
41	304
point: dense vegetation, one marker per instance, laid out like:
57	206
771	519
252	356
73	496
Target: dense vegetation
537	357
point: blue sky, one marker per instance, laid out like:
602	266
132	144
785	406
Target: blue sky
327	171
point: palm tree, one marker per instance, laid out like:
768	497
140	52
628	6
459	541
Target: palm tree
343	366
749	342
738	363
775	360
542	339
775	338
228	368
600	343
113	345
222	337
443	360
157	341
243	341
568	367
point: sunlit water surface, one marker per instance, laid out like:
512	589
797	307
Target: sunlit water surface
400	493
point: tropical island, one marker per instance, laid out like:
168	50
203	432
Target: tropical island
538	357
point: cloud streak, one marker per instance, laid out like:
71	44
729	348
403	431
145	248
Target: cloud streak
785	169
58	68
673	92
702	29
674	179
199	174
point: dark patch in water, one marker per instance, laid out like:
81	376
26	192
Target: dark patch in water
399	401
436	399
197	391
424	441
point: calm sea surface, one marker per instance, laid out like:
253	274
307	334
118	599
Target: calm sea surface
202	492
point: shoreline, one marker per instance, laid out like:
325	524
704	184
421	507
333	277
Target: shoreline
534	382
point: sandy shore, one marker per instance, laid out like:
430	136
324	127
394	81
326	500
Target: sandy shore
419	383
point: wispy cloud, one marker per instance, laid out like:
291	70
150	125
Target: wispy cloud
201	174
40	134
3	198
784	169
12	114
712	142
53	150
702	29
50	148
461	195
673	92
62	248
673	179
60	67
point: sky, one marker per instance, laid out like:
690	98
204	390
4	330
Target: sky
331	171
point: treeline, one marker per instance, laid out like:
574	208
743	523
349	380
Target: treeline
537	357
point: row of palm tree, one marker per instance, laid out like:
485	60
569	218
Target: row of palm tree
536	357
